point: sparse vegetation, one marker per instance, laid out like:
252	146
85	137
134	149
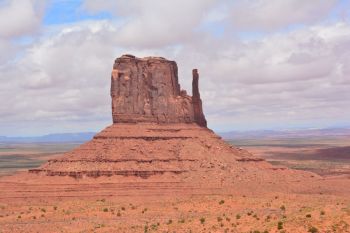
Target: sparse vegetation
202	220
280	225
283	208
238	216
313	230
221	202
105	209
308	215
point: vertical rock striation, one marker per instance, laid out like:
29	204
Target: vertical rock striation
147	90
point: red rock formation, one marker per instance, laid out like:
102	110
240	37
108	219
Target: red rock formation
199	117
147	90
168	134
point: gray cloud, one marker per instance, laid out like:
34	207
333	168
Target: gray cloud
20	17
60	82
275	14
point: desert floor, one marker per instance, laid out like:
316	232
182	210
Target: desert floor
324	207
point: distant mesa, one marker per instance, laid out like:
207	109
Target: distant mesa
148	90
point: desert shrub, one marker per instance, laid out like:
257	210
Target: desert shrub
221	202
154	226
266	231
119	214
202	220
283	208
280	225
313	230
308	215
105	210
182	221
219	219
43	210
123	208
19	216
169	222
55	207
238	216
228	219
322	213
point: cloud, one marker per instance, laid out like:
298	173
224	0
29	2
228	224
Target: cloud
154	23
59	82
19	18
275	14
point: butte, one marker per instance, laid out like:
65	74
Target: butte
158	144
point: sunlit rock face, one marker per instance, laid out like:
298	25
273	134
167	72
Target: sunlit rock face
147	90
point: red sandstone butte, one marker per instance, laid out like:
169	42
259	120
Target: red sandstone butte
158	134
147	90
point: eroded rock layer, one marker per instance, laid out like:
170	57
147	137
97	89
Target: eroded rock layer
146	149
147	90
158	131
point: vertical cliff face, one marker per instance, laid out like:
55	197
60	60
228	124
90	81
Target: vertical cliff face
147	90
199	117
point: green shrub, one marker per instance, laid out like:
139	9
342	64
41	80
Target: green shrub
280	225
313	230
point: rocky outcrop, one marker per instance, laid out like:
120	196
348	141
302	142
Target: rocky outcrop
157	130
199	117
147	90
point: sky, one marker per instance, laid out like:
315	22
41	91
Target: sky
263	64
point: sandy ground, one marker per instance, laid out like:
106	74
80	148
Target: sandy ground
250	200
100	205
